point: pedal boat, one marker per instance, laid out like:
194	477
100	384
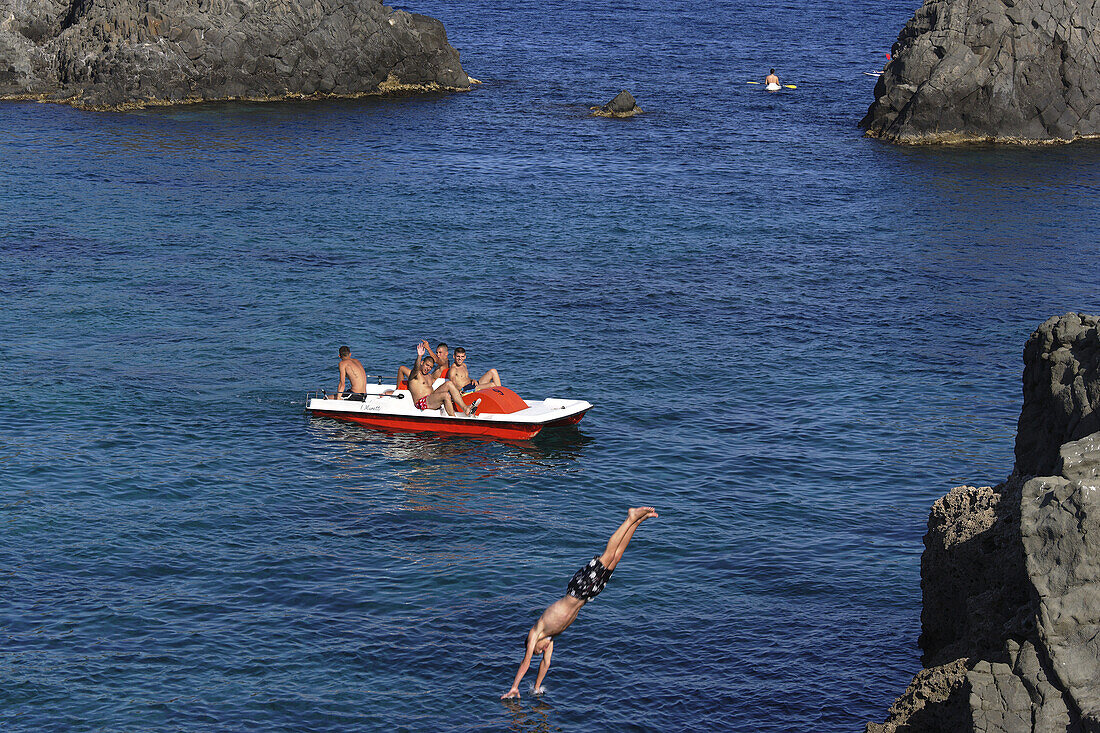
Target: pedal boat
501	413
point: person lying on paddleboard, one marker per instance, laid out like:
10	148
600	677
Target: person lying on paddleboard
585	585
447	394
460	375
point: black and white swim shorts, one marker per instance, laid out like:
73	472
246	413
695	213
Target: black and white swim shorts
589	580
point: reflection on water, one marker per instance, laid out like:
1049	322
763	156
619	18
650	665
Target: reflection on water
439	471
565	442
492	454
529	717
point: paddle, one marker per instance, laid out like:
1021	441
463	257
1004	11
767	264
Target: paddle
789	86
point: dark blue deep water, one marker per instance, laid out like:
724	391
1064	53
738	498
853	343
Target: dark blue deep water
795	339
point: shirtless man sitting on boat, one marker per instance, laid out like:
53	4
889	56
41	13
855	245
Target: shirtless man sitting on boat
447	394
351	370
441	363
585	585
460	375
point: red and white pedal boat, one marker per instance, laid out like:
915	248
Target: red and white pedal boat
501	414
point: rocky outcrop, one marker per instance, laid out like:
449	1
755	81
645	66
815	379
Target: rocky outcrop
992	70
1010	575
934	701
1061	534
1061	391
119	54
623	105
973	583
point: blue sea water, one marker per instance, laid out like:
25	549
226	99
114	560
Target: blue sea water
795	339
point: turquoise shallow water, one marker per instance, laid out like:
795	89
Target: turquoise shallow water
795	340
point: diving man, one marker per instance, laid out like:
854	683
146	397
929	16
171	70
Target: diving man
585	585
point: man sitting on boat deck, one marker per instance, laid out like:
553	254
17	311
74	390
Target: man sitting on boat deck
460	375
447	394
351	370
442	365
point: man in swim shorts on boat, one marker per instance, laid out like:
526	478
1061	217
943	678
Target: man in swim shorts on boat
441	368
351	370
585	585
460	375
425	398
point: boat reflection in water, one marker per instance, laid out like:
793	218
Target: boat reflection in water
440	472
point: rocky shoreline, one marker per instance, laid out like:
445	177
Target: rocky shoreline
1010	574
125	54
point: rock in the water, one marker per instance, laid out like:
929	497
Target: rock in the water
1011	575
118	54
623	105
992	70
1061	391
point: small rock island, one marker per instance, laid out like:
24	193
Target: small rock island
125	54
621	105
1002	71
1010	574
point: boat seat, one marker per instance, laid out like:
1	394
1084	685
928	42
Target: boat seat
496	400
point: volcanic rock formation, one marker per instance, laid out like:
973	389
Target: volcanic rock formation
1011	575
118	54
623	105
992	70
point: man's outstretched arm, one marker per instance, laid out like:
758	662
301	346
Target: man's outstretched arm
523	667
544	667
422	351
